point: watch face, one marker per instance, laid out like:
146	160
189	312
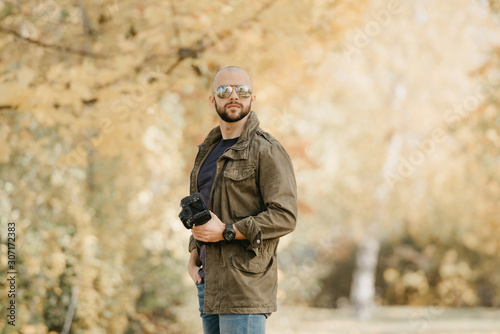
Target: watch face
228	234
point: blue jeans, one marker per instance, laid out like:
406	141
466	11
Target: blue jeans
230	323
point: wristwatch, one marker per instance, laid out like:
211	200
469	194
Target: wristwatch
229	233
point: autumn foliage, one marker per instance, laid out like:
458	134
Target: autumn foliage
390	111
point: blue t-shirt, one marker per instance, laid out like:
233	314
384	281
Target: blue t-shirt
209	168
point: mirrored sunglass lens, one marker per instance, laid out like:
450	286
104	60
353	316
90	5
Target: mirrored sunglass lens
244	91
224	91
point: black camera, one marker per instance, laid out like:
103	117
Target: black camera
194	211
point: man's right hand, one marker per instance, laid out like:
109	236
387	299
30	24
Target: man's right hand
194	273
194	266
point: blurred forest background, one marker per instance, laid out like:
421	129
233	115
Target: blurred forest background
389	109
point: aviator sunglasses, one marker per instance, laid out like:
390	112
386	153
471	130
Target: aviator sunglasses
224	91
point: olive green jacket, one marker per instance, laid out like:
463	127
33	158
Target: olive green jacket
254	189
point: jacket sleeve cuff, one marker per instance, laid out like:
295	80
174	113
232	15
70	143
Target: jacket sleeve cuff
192	244
251	231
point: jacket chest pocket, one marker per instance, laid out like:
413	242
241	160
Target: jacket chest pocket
243	195
240	174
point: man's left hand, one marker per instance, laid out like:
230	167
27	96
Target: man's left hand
211	231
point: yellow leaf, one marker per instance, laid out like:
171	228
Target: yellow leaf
4	153
25	76
56	72
12	94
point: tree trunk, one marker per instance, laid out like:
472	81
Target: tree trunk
363	283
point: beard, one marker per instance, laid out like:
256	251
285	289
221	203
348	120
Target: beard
231	117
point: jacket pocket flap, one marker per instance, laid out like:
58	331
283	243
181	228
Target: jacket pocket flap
251	263
239	174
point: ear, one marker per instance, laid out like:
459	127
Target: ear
211	98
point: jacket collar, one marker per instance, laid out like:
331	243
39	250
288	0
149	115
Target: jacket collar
240	149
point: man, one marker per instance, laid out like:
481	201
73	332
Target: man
246	178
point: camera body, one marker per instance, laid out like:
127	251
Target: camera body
194	211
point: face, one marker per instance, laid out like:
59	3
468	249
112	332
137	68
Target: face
233	108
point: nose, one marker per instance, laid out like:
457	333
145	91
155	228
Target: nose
234	95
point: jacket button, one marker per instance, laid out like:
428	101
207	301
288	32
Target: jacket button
258	241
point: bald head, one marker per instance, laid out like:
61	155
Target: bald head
231	71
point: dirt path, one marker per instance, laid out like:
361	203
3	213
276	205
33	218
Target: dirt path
386	320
